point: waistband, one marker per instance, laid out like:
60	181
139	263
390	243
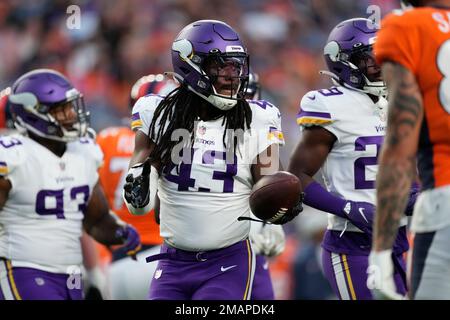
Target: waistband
357	243
172	253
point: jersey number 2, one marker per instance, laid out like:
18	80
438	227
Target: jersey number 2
360	164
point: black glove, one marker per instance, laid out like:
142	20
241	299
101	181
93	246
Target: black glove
137	185
285	215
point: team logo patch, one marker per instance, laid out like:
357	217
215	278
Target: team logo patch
158	273
39	281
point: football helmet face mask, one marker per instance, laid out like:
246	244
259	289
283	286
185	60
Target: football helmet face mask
45	103
349	57
209	57
253	90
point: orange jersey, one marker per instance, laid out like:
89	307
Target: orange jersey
419	40
117	145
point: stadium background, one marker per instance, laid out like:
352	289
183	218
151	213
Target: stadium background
120	41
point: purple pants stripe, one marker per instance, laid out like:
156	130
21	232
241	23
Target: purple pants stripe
347	275
248	286
8	283
33	284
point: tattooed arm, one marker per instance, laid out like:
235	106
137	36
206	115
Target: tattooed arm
395	173
397	163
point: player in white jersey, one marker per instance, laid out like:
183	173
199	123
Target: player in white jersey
206	254
49	192
342	131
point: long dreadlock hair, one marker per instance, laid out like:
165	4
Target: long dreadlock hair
179	110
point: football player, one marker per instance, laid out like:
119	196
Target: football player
268	240
413	48
342	130
129	279
209	146
49	192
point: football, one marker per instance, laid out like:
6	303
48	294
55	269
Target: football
273	192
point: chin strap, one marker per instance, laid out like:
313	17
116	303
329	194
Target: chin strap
216	100
370	88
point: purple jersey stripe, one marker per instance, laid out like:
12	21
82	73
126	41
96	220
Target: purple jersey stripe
304	113
135	116
272	129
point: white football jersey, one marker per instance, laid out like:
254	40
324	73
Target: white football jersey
203	197
359	126
41	221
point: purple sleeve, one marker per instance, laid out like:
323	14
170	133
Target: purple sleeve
317	197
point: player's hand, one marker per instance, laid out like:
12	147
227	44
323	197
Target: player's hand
269	241
131	239
360	214
137	185
284	215
380	278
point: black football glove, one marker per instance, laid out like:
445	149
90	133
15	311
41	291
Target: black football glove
284	215
136	187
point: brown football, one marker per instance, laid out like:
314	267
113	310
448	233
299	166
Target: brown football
273	192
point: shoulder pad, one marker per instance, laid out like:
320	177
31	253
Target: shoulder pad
91	149
143	111
12	153
314	109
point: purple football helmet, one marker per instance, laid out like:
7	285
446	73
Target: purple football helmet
35	94
348	54
210	41
253	90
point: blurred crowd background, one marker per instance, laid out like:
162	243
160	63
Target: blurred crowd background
120	41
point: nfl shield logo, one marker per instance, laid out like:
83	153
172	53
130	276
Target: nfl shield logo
158	273
62	165
201	130
383	115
